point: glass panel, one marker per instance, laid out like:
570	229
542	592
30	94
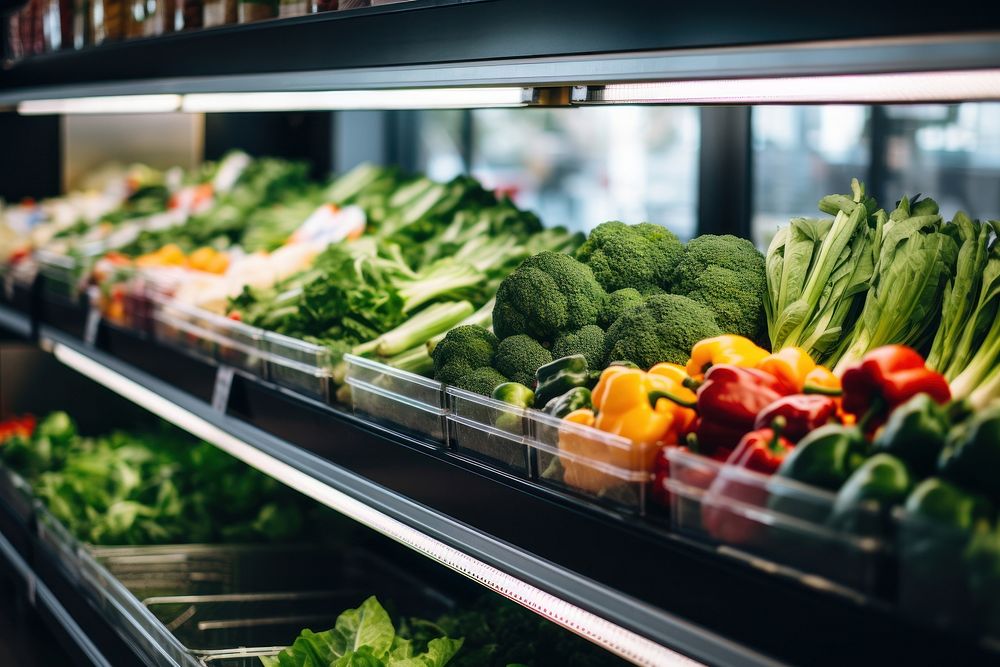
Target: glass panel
579	167
799	155
951	153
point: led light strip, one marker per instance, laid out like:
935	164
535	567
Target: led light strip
404	98
109	104
965	85
614	638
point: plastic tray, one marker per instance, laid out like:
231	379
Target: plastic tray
15	493
16	281
947	577
294	364
185	328
404	401
775	519
490	430
598	466
64	276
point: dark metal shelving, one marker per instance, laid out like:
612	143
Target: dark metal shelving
645	580
518	42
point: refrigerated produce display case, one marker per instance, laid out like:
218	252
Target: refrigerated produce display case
285	300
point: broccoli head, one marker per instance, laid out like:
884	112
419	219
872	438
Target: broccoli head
546	295
588	341
617	303
726	251
664	328
462	350
639	256
518	357
736	298
481	380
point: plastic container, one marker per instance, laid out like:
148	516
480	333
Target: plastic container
185	328
764	517
15	493
601	467
218	12
64	276
16	284
301	367
488	430
949	578
404	401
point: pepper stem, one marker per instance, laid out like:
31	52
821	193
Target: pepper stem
876	409
692	384
822	391
655	396
778	425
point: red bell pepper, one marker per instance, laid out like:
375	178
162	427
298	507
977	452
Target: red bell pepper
22	427
761	451
884	379
729	400
696	477
802	413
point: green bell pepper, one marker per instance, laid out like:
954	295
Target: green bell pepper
559	376
517	395
939	521
863	503
826	457
916	433
971	456
574	399
514	393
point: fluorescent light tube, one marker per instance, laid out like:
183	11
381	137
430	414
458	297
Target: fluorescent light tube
101	105
946	86
408	98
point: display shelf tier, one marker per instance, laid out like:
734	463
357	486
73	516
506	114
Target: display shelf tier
623	582
448	43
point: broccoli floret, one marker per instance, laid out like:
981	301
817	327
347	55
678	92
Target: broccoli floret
638	256
518	357
664	328
737	300
727	251
588	341
546	295
481	381
463	350
617	303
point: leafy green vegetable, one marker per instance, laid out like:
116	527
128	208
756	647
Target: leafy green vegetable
151	488
364	637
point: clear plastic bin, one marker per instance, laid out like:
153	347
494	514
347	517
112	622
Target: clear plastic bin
185	328
401	400
772	518
64	276
16	281
294	364
593	464
489	430
949	578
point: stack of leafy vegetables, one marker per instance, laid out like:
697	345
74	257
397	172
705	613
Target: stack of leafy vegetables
632	293
867	278
364	637
435	254
155	487
264	183
492	633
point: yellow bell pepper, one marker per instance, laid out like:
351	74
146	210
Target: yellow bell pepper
622	407
795	368
728	349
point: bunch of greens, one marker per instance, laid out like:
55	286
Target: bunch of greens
150	488
839	288
265	182
365	637
413	278
500	633
966	347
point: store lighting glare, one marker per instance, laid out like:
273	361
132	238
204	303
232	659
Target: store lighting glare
945	86
101	105
408	98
